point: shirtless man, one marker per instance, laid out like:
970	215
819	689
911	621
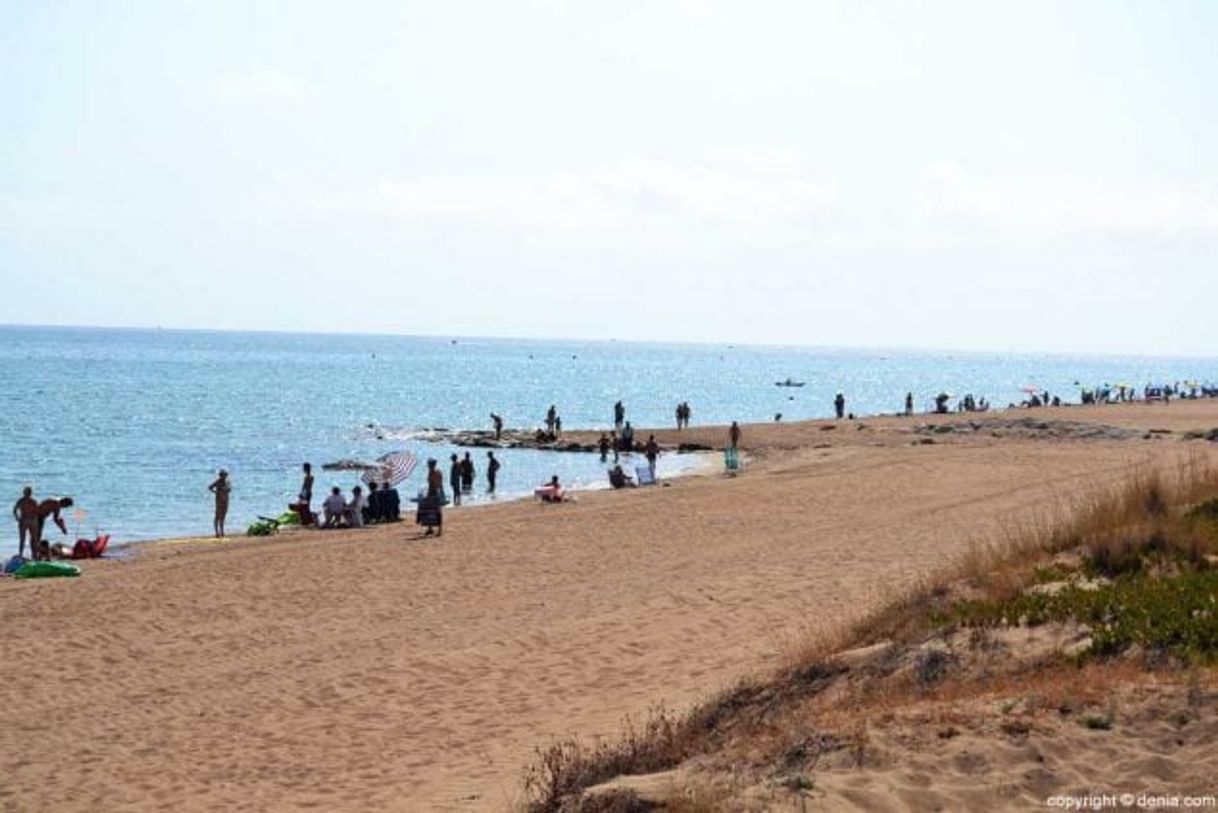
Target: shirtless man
25	511
48	508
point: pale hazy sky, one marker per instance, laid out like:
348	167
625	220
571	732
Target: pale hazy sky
1017	175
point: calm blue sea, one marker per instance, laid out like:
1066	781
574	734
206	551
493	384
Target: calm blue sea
134	423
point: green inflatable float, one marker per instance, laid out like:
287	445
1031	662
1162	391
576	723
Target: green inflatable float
45	570
265	526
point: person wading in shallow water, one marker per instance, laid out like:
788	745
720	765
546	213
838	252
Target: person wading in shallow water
492	472
454	479
467	473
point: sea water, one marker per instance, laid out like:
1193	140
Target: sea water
134	423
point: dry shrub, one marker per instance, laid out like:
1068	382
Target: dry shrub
568	766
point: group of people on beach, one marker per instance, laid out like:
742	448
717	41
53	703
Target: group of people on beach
461	475
683	415
31	515
616	443
383	504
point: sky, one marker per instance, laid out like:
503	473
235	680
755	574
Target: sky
1029	176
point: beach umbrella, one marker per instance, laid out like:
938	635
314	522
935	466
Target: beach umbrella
394	467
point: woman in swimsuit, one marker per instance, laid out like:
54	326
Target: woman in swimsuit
220	488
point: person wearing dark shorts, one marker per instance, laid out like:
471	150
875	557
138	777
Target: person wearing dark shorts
492	472
454	479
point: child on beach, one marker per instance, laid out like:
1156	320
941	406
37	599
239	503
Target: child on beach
221	487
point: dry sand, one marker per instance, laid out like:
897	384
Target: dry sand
374	670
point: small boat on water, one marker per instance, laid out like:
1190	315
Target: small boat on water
788	383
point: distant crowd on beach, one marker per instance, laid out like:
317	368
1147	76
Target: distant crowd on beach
382	503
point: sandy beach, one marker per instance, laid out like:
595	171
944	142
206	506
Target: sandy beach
366	670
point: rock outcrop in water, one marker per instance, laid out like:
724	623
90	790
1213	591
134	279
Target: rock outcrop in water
515	439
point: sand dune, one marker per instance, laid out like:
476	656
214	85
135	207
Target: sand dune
374	670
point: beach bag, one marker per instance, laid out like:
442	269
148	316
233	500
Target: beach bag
14	564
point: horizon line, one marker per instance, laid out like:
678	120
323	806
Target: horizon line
911	349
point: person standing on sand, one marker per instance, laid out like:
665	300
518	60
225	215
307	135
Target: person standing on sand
492	472
221	487
435	480
497	422
25	511
48	508
733	435
908	404
551	417
619	415
454	479
839	406
306	488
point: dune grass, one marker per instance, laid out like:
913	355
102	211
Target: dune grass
1135	563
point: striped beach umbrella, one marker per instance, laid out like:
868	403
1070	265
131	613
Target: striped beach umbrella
394	467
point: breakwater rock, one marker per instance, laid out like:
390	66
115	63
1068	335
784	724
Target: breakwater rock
532	439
